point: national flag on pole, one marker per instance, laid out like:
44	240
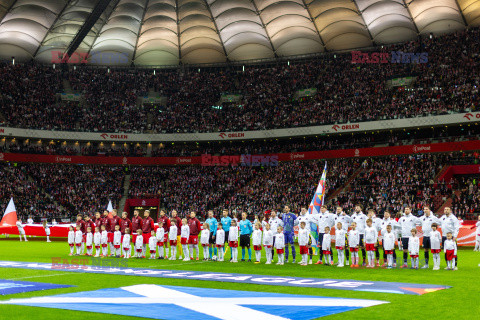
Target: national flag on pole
110	208
319	196
10	215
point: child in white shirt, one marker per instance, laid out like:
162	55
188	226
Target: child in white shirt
303	235
172	237
97	241
414	248
389	245
370	241
327	246
89	241
257	242
78	240
220	242
160	238
450	248
268	242
139	244
435	246
184	235
353	242
280	245
233	240
340	244
477	236
71	240
47	230
204	238
126	244
117	241
104	241
152	245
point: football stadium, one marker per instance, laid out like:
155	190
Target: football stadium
239	159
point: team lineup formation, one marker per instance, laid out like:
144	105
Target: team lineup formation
318	234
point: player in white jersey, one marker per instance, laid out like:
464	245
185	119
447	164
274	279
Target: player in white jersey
257	242
303	235
360	218
323	219
389	245
377	224
414	248
274	223
126	244
345	220
427	220
340	237
450	224
117	241
387	221
436	245
268	243
407	222
152	245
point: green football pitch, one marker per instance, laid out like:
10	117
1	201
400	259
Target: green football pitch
459	302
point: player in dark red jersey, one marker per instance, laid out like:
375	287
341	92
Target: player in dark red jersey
137	223
178	221
112	221
195	228
81	224
147	227
125	223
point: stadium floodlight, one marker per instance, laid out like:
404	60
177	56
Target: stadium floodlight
13	60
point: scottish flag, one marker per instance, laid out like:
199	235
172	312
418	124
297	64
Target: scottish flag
172	302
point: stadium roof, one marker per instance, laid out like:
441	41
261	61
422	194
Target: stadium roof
169	32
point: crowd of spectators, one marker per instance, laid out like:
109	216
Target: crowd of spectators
466	201
347	91
395	182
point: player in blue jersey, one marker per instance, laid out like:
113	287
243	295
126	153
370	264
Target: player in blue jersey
226	221
246	229
212	223
289	221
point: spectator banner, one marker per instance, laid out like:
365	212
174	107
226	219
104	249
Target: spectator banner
309	155
455	118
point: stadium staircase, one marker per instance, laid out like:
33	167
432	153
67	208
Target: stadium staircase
448	202
126	186
346	185
67	88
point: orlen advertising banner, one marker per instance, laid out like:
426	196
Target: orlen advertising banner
310	155
455	118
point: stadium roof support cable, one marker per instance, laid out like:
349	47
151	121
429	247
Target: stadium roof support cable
216	27
461	13
364	22
178	34
88	24
139	32
411	17
314	24
264	27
